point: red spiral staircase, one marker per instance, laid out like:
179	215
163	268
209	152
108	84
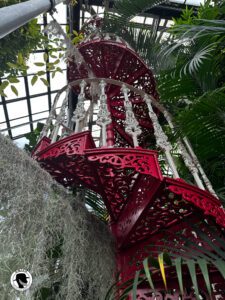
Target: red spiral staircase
143	204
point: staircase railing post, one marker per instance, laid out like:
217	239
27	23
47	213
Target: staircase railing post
131	124
104	116
79	113
161	138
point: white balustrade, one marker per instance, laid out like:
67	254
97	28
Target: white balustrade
161	138
103	116
60	119
189	162
131	124
79	113
199	167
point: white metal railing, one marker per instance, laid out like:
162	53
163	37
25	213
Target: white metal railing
103	116
58	124
131	124
79	113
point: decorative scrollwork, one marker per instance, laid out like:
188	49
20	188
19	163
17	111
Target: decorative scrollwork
144	164
208	204
161	138
131	124
72	145
103	116
79	113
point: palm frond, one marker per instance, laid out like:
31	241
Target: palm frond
96	205
207	116
130	8
197	60
189	258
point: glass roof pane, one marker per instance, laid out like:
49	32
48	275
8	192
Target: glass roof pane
17	109
19	121
189	2
148	21
3	126
58	81
87	14
162	22
194	2
138	19
169	23
40	115
60	14
178	1
101	9
20	130
2	114
39	104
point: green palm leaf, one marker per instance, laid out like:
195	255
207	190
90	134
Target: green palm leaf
129	8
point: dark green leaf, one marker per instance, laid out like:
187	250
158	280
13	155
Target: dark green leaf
13	80
44	81
39	64
14	89
147	273
179	274
34	79
134	290
203	266
191	267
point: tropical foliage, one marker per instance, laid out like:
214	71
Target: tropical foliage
188	62
193	88
15	49
188	258
33	137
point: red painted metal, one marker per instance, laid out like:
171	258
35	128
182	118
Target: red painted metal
145	207
42	144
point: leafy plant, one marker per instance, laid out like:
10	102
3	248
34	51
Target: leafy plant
186	258
33	137
188	62
16	48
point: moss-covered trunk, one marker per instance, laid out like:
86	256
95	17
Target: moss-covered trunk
44	230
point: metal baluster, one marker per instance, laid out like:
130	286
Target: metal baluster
131	124
103	116
161	138
60	119
199	167
188	159
79	113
